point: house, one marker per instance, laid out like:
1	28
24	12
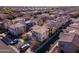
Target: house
75	20
29	24
40	32
74	25
27	16
17	29
74	14
57	22
7	23
1	26
19	20
69	29
73	28
2	35
53	25
62	20
41	19
34	43
3	16
17	14
69	43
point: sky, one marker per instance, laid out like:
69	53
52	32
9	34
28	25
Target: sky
39	2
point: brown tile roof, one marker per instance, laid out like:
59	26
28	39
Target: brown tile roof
70	37
75	25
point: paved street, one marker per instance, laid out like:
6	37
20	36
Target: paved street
6	49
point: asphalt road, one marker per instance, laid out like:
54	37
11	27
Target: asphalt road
5	48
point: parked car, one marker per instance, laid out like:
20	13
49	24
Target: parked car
24	47
9	41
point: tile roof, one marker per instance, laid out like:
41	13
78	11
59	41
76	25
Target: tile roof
70	37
